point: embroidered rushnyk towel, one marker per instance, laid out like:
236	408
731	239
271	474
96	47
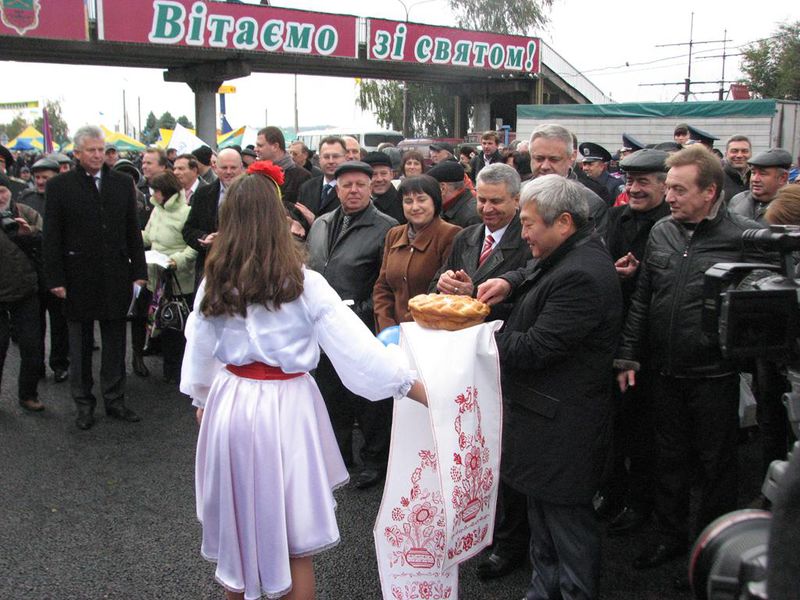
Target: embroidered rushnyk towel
440	495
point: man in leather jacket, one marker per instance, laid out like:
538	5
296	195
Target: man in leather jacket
695	390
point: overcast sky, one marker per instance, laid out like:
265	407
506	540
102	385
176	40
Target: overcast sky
614	43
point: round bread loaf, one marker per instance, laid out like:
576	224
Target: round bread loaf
447	311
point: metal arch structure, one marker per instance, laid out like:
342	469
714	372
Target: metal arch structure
204	69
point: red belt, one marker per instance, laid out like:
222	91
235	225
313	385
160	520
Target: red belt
261	371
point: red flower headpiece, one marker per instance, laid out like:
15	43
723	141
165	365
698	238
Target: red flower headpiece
268	169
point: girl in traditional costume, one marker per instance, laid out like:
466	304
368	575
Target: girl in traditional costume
267	460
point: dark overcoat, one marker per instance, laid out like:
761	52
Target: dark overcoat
556	352
352	263
92	243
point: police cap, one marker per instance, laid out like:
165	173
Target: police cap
591	152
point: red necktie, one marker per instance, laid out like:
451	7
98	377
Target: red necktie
487	249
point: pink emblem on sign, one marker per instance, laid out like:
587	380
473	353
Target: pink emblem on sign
20	15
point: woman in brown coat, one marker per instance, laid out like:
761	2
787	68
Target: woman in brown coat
413	252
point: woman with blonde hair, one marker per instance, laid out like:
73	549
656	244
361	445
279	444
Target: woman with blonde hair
267	459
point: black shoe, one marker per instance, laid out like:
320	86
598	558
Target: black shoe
498	565
606	506
122	413
32	405
367	478
627	521
658	555
139	367
60	375
84	420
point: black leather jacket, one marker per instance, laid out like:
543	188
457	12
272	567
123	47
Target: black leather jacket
663	324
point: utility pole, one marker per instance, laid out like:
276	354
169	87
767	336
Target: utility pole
296	120
687	83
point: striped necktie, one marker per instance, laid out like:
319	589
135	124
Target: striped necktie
487	249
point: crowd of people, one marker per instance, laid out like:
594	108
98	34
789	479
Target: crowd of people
614	398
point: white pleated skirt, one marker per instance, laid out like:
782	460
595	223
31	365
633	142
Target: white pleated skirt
267	464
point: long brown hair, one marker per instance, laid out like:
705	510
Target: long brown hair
254	259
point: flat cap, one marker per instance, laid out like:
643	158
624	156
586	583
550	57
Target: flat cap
123	165
110	147
249	152
442	146
60	158
774	157
647	160
45	164
353	166
630	143
591	152
681	128
668	147
701	136
447	171
378	159
5	181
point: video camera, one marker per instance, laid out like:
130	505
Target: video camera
8	223
753	311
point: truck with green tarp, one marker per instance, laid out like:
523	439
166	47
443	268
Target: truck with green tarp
768	123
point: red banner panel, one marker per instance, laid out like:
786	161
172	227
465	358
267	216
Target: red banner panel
415	43
222	25
52	19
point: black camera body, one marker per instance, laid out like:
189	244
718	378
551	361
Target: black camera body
8	223
753	311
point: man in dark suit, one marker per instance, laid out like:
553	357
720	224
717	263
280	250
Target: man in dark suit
318	195
201	225
492	247
556	352
489	154
93	255
384	194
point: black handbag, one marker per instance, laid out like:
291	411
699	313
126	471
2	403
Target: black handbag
172	309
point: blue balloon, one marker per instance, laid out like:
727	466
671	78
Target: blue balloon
390	335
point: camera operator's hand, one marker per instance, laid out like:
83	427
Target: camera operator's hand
626	379
24	227
59	292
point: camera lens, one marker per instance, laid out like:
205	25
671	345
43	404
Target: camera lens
729	553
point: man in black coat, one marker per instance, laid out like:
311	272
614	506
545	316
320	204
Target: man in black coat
488	155
318	195
556	352
201	225
346	247
93	255
695	391
458	202
384	194
271	145
627	497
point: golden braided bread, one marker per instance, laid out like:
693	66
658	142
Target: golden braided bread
447	311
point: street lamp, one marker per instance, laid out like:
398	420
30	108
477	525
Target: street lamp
404	84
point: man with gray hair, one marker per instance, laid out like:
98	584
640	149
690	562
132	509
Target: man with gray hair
556	352
553	151
489	248
93	256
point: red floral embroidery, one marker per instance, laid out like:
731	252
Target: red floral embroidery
268	169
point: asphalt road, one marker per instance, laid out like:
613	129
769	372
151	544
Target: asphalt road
109	513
